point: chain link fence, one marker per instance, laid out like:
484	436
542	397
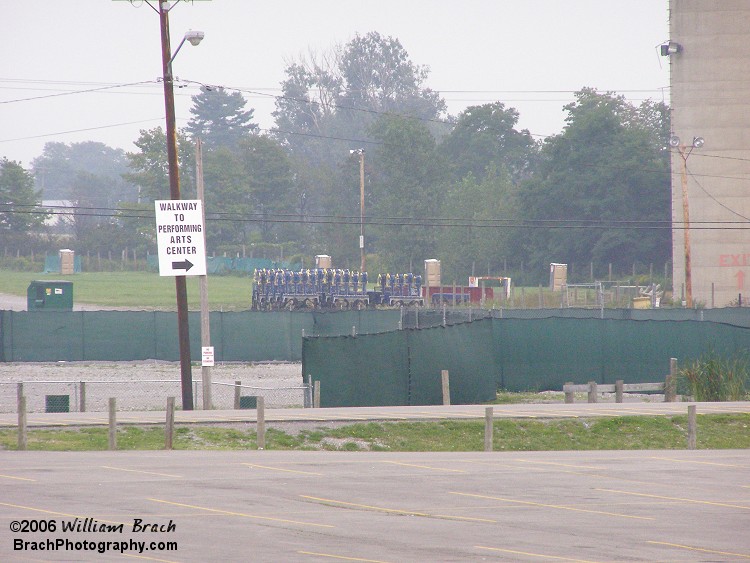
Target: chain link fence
143	395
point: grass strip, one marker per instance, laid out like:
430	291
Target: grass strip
715	431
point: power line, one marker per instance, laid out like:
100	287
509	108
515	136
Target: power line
426	222
89	90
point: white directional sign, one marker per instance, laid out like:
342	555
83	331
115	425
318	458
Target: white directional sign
180	237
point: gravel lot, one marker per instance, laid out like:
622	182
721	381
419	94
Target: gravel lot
145	385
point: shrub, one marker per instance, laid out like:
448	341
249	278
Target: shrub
715	378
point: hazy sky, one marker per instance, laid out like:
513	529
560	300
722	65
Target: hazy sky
529	54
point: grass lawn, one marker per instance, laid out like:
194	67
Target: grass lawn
618	433
138	289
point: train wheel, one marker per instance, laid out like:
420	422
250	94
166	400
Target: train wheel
359	305
290	304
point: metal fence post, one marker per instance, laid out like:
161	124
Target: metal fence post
237	394
316	394
82	397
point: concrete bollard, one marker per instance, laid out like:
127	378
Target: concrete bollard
22	431
488	428
169	428
593	394
308	391
670	385
692	440
446	387
261	423
569	395
619	386
112	423
316	394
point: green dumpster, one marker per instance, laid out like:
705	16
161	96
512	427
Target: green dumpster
57	403
44	295
248	402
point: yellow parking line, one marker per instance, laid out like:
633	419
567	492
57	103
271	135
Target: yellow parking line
559	507
396	511
559	464
697	462
341	557
140	471
54	513
280	469
425	467
147	558
701	549
252	516
557	558
16	478
711	503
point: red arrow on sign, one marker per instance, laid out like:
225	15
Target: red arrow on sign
740	279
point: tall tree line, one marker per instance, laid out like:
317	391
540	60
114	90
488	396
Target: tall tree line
467	189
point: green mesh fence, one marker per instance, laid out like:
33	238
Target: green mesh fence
465	350
335	323
369	370
513	354
51	336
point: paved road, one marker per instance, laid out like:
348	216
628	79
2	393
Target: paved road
357	414
269	506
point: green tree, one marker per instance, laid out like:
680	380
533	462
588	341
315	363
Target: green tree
56	171
478	209
220	118
271	184
607	167
485	137
18	200
330	102
406	173
149	169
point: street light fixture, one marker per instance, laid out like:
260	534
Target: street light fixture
193	37
684	151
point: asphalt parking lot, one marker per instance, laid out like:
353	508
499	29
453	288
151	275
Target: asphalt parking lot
388	507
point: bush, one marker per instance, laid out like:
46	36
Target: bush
715	378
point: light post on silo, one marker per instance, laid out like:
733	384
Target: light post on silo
684	152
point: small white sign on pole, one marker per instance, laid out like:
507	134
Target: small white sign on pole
207	355
180	237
